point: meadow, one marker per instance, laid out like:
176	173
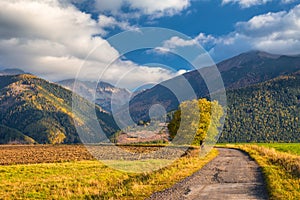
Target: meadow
70	172
292	148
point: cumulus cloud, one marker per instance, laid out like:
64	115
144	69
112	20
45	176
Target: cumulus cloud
274	32
111	22
176	42
152	8
249	3
179	42
134	76
277	33
51	38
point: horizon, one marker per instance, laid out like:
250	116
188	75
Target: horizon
56	37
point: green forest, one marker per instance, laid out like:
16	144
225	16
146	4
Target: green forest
266	112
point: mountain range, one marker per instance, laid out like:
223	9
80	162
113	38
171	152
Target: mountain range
240	71
262	91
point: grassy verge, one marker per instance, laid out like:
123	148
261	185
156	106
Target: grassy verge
292	148
281	170
91	180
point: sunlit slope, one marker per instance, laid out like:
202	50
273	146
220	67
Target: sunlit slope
43	111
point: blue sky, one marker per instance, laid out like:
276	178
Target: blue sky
210	17
53	38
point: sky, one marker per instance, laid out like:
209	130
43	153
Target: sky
63	39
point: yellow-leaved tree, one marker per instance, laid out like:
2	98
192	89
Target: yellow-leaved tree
195	122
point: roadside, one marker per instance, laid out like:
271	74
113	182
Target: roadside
232	175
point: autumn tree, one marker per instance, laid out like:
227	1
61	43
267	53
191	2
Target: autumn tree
195	121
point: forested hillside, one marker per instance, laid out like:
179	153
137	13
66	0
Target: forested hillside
267	112
240	71
11	136
42	111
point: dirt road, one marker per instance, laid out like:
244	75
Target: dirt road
232	175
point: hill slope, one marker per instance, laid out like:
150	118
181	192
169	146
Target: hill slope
43	111
13	136
266	112
238	72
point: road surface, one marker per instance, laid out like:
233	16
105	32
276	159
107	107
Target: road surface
231	175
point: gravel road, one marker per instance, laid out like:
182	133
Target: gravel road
231	175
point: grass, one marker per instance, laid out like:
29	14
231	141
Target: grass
281	170
292	148
92	179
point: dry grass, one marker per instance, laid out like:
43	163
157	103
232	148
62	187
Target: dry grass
292	148
90	179
281	170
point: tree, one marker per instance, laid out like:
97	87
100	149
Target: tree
196	121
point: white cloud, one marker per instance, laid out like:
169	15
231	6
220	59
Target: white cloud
152	8
111	22
246	3
133	76
52	38
249	3
277	33
179	42
176	42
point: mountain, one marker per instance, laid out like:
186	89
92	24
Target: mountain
38	111
240	71
256	67
103	92
265	112
13	71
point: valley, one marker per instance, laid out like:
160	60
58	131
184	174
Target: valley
36	111
268	106
132	99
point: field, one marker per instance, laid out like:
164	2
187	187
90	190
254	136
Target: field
281	170
32	154
292	148
70	172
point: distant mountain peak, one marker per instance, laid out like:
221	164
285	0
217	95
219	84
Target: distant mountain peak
105	85
11	71
249	59
101	93
267	55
